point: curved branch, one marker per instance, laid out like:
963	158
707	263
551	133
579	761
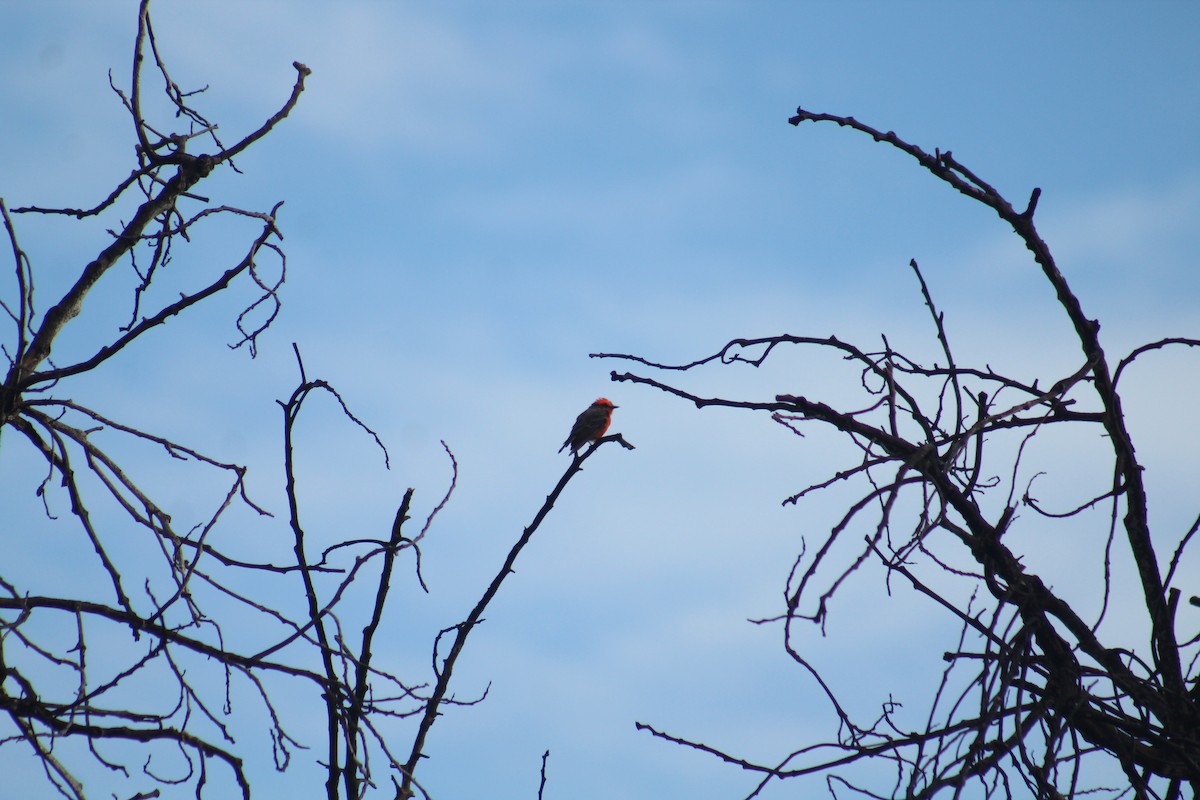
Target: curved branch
945	167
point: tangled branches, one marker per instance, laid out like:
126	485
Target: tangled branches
153	631
1038	696
161	661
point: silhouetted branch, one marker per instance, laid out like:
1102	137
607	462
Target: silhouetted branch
1032	694
166	631
542	781
462	630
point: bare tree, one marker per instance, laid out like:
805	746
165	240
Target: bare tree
141	622
115	673
1038	697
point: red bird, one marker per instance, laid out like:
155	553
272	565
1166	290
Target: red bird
590	425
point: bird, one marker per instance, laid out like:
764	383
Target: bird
590	425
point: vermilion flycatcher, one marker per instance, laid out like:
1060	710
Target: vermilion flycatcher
590	425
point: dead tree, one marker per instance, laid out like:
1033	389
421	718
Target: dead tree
114	673
1038	697
133	669
139	616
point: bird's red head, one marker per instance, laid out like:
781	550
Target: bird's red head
604	401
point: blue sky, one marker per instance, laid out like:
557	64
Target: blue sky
479	195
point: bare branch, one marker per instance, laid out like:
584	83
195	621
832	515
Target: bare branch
1031	694
463	629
